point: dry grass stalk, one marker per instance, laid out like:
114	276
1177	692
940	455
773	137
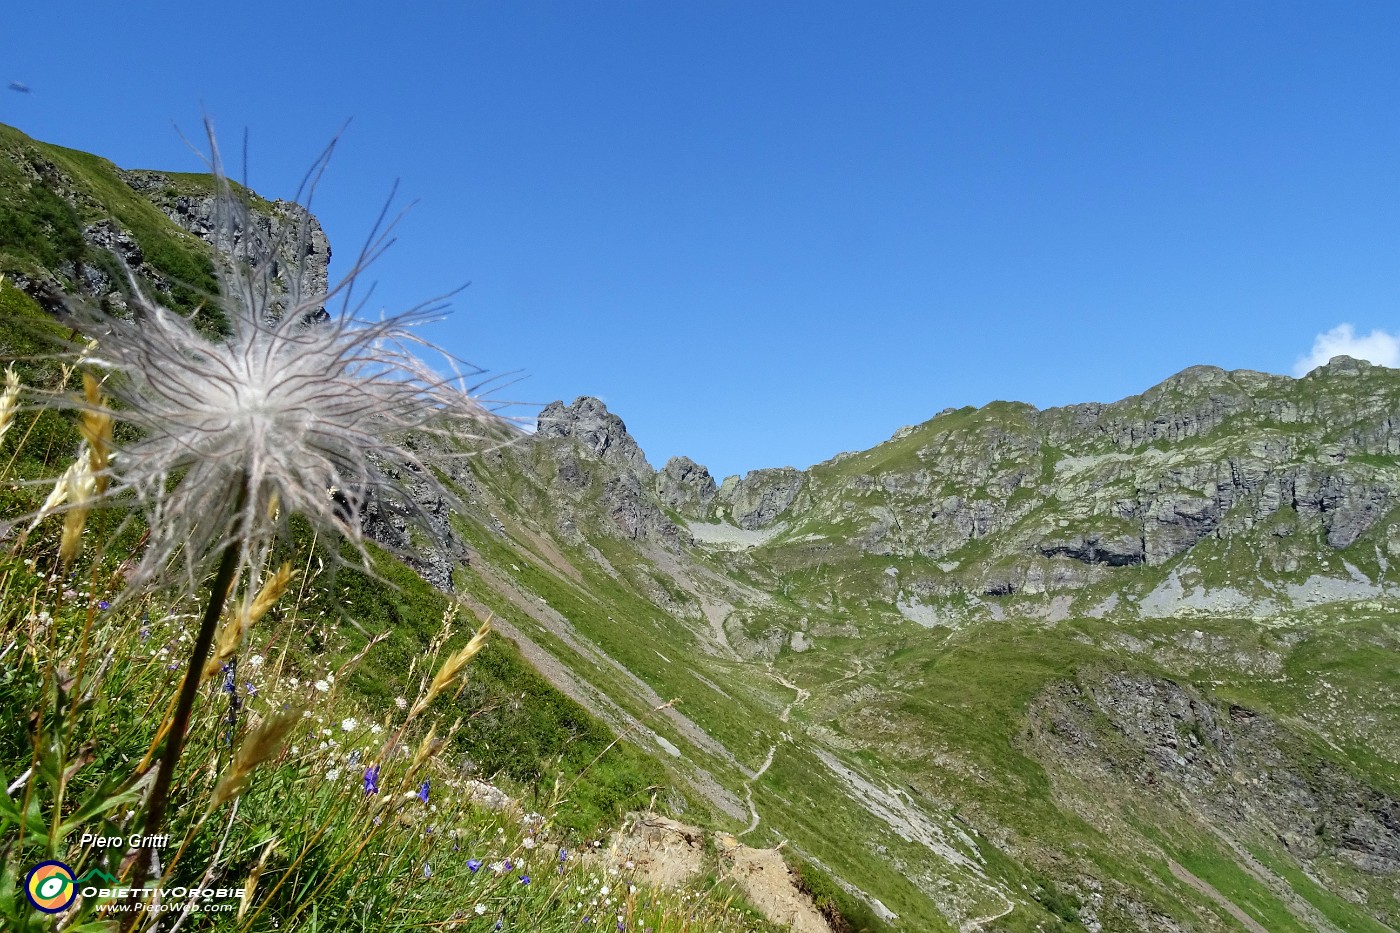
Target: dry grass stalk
81	493
57	496
95	424
452	668
251	885
9	400
264	742
231	636
425	749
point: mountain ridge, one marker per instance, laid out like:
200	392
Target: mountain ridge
1101	667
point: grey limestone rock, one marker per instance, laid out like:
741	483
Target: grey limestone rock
1232	762
601	433
592	449
1113	550
756	500
687	487
282	229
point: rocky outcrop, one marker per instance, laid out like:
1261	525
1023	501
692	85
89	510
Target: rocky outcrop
1234	762
687	487
1113	550
284	230
601	433
1017	498
756	500
593	452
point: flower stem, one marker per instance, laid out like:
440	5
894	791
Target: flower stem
189	689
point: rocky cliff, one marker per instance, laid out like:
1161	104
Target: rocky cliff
1112	666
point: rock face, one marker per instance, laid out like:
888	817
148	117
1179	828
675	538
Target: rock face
283	229
1024	501
1231	761
601	433
687	487
761	496
99	252
593	453
1115	551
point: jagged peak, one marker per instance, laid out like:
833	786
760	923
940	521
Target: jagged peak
602	433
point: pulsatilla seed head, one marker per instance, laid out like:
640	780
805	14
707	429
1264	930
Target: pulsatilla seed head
290	411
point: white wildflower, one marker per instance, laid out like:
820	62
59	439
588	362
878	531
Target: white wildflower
322	686
349	725
234	433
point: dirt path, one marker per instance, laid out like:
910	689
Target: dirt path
1248	922
786	714
979	922
802	695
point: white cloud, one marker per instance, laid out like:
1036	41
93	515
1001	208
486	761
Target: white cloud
1377	347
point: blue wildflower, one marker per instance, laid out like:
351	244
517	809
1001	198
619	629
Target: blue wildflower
372	779
423	791
473	865
103	605
427	870
524	879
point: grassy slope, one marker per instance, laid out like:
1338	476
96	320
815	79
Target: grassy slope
528	732
943	714
42	230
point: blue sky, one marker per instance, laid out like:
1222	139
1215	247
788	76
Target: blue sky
764	233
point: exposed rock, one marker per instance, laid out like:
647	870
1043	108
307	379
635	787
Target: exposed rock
1114	550
283	230
687	487
591	449
1232	759
761	496
601	433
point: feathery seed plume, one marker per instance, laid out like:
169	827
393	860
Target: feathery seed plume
238	431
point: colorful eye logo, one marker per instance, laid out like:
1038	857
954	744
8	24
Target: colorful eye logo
50	887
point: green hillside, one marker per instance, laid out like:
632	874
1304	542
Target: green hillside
1108	667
